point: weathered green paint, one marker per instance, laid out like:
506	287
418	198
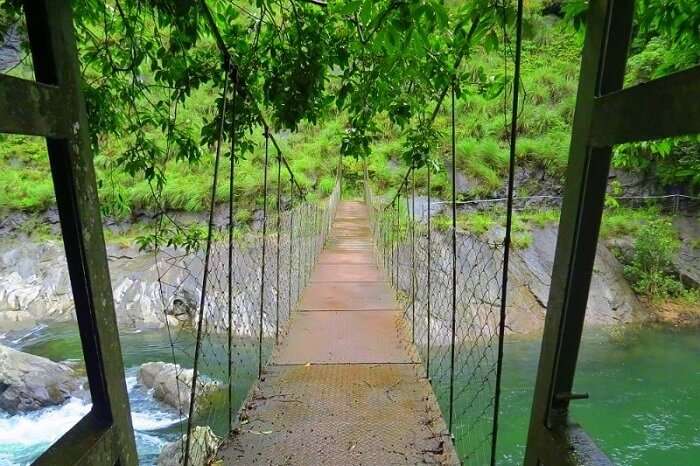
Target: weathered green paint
602	72
605	115
54	107
32	108
662	108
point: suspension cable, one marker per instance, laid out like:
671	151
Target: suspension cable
262	263
398	238
454	263
413	256
205	276
427	359
232	162
509	223
277	251
291	247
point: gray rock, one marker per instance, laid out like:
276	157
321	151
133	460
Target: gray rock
687	263
35	286
203	446
29	382
611	300
10	48
172	384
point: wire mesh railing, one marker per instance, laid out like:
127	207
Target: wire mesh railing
222	338
458	344
228	293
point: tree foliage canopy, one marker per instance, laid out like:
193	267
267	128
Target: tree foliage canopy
143	59
298	59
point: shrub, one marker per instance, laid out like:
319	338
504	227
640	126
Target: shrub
650	269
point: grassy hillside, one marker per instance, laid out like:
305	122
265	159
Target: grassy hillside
550	71
27	184
551	55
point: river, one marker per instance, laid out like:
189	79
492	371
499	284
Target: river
644	385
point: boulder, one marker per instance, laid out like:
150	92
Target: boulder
29	382
171	384
687	263
611	300
203	445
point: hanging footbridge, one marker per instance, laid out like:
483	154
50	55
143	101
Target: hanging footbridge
375	336
351	334
345	385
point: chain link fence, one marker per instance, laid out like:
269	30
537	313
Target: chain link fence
674	204
450	284
454	323
223	339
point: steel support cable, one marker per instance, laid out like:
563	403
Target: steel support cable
300	234
509	223
413	255
404	182
205	276
407	239
391	231
398	237
291	247
232	162
277	251
263	257
228	58
430	263
385	240
454	264
158	229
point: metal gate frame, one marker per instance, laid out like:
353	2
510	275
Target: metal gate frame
605	115
53	107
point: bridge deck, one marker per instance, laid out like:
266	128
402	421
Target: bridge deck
344	386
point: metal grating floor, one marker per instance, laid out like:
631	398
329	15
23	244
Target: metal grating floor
343	387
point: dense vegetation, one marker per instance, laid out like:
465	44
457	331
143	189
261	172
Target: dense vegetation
360	78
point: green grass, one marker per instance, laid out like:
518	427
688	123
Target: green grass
624	221
549	77
478	223
481	222
551	57
24	174
551	60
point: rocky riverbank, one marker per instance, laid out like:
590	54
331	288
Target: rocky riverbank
35	288
29	383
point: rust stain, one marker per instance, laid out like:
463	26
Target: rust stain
342	337
347	296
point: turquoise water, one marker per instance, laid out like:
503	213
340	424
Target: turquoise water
644	386
23	438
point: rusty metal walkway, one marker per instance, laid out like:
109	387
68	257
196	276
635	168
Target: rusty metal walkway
343	387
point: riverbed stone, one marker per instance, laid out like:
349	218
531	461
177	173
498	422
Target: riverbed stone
203	445
29	382
171	384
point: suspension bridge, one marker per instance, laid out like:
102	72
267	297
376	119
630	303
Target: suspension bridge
345	385
377	338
